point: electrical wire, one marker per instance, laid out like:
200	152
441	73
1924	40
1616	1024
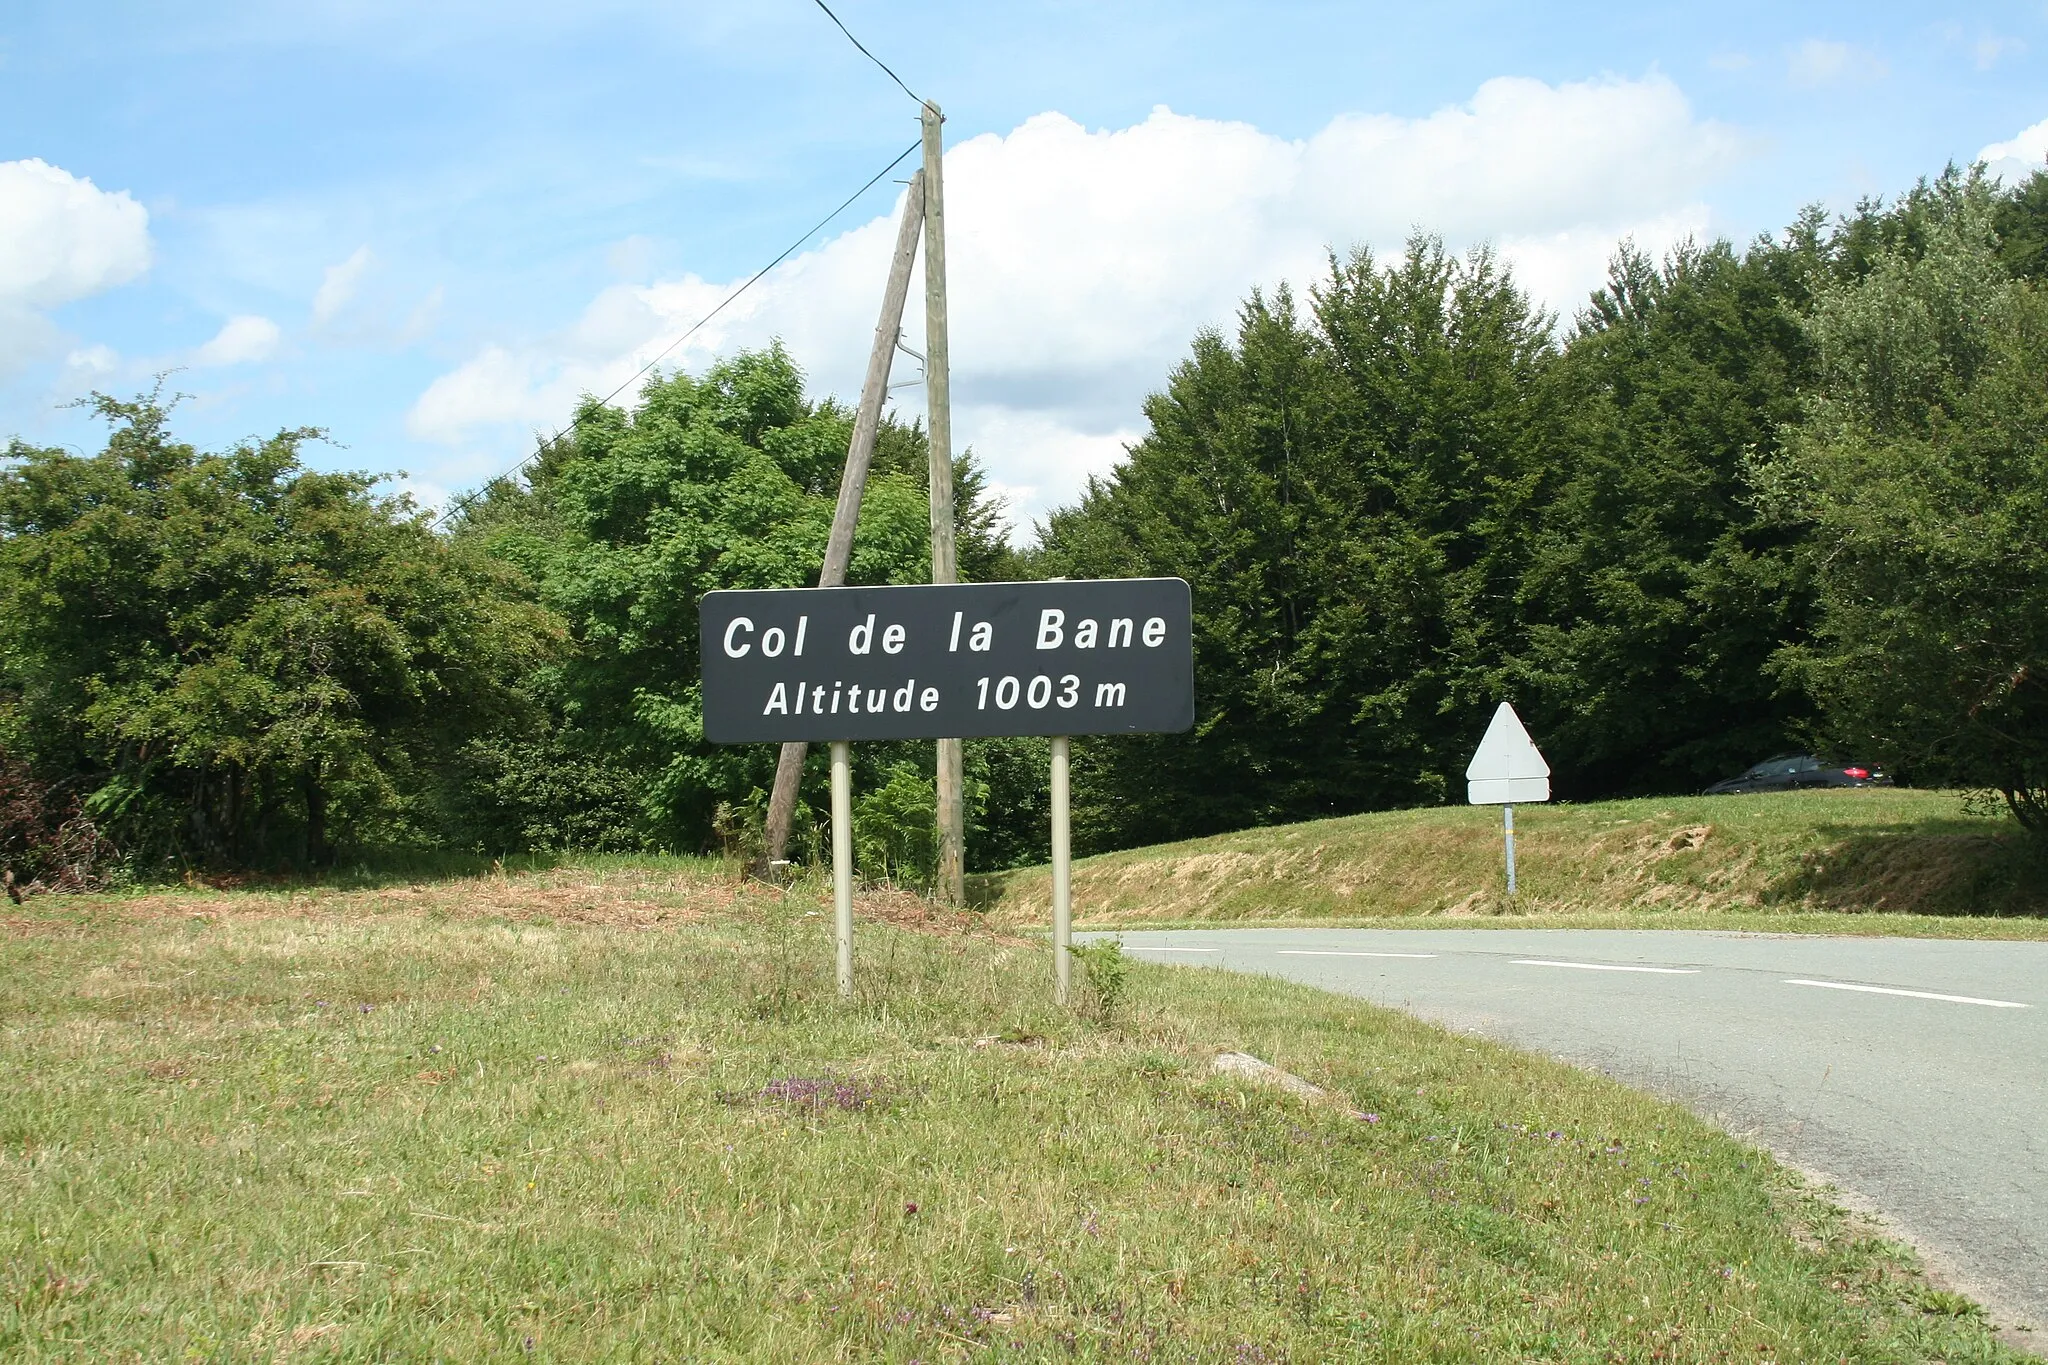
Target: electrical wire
867	54
462	503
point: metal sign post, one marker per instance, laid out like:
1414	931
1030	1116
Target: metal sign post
842	862
1062	874
1508	827
1507	768
1062	658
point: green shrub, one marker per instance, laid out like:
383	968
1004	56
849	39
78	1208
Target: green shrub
1107	973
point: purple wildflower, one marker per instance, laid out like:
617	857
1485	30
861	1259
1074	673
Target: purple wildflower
821	1092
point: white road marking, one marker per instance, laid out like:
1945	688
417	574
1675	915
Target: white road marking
1317	952
1917	995
1605	967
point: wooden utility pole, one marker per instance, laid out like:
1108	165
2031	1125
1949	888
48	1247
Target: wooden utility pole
952	870
789	767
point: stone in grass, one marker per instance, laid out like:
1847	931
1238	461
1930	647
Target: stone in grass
1265	1073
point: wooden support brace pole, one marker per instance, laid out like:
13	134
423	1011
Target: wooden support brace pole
860	450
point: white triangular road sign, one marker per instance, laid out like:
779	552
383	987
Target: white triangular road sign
1508	769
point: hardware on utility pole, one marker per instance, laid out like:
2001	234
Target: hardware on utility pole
952	879
789	767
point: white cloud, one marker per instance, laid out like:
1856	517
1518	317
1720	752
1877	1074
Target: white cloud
1991	49
2015	160
1820	61
338	286
1561	268
93	361
1047	462
1082	262
242	340
62	238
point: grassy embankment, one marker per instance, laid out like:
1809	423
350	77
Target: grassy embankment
1856	862
614	1112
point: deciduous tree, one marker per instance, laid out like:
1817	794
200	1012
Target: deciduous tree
1921	469
246	661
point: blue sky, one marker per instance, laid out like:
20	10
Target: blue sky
426	228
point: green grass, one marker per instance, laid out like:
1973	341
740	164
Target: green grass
1870	861
548	1117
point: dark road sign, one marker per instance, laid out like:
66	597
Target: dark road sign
1084	657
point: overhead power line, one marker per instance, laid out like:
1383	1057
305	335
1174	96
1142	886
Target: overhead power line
867	54
464	501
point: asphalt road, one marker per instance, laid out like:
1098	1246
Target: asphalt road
1912	1073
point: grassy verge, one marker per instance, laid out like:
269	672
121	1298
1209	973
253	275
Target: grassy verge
623	1117
1870	861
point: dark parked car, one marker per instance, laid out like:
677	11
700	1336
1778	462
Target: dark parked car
1790	772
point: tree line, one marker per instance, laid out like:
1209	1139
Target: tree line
1746	500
